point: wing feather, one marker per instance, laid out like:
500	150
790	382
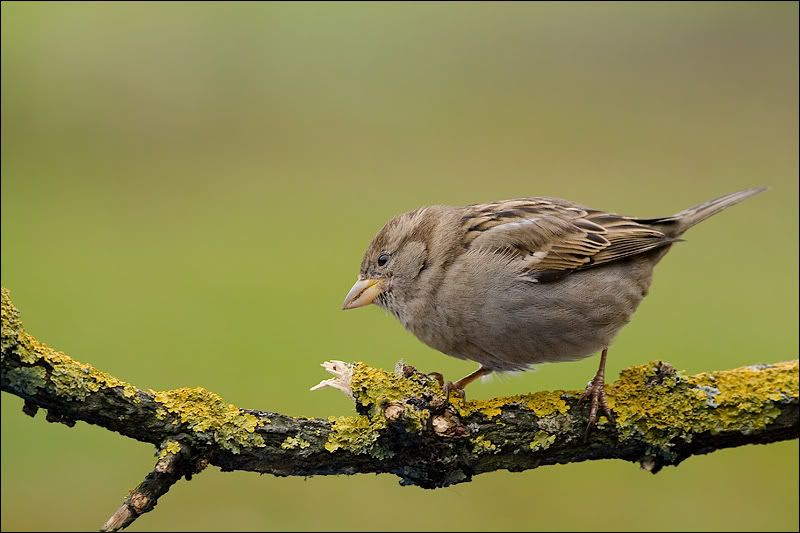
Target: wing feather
551	237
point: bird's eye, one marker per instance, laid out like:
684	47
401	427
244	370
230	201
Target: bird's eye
383	259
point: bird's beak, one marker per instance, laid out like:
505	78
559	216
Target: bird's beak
363	293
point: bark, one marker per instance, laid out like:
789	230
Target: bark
403	425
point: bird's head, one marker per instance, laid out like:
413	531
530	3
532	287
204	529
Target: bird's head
395	262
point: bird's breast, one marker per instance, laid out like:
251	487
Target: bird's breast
486	312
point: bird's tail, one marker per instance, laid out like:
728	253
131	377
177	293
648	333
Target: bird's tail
680	222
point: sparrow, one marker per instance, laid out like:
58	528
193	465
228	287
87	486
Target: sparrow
514	283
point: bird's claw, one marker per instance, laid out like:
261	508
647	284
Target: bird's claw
448	388
596	391
438	377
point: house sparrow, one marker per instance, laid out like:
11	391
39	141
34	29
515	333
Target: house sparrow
513	283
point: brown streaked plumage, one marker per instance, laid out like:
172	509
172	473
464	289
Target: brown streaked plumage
513	283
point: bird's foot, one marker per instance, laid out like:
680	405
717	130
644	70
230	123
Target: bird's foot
595	390
453	388
438	377
448	388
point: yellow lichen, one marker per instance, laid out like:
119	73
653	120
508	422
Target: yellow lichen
660	404
204	411
652	401
541	441
356	434
376	387
169	446
542	403
10	321
78	380
70	378
546	403
481	444
199	409
294	442
488	408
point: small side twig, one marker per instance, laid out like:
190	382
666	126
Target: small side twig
175	461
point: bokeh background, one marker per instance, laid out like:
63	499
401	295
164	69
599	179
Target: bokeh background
187	190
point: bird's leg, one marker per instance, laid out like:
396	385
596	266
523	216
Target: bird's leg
449	387
458	386
596	392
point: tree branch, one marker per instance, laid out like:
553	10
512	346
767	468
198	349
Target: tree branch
174	462
403	426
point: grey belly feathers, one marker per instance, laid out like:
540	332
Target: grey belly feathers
512	323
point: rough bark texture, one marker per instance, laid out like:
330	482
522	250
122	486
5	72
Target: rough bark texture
174	462
403	426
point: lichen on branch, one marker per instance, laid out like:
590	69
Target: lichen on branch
657	408
403	425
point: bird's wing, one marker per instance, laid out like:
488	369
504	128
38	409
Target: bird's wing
549	237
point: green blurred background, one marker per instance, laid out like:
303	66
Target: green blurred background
187	190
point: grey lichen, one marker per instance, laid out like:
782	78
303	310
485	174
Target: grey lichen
711	395
29	379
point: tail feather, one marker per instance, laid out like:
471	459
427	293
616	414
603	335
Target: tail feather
680	222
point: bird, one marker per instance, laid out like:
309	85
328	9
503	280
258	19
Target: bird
515	283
